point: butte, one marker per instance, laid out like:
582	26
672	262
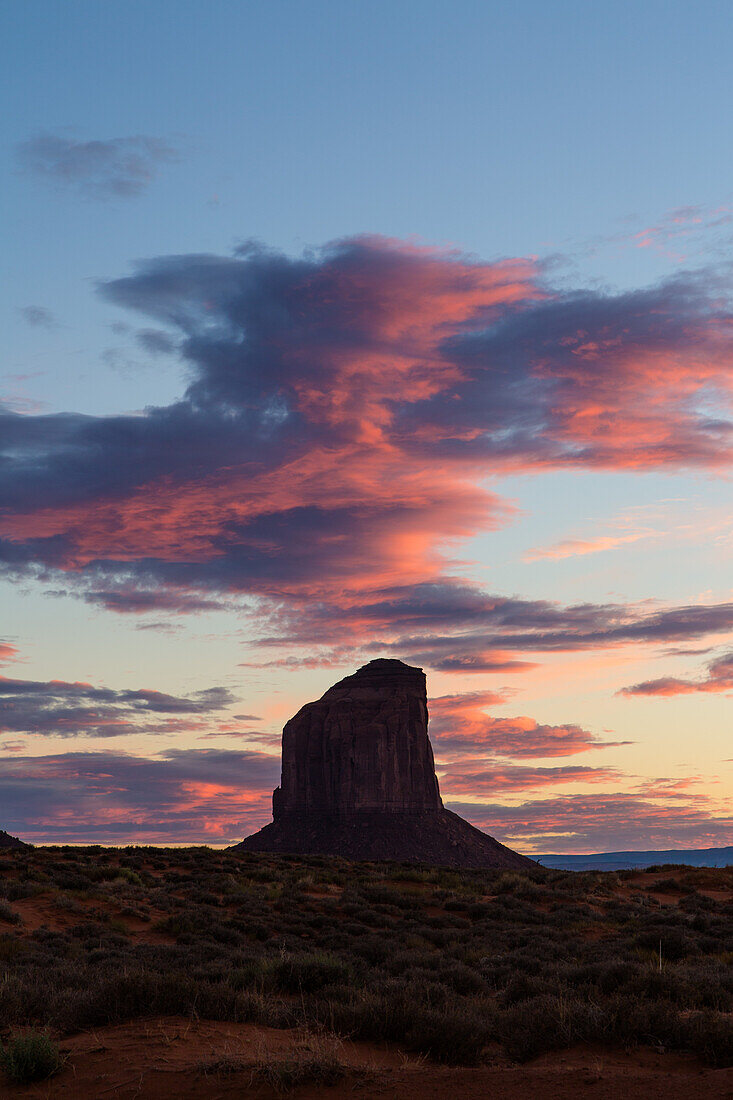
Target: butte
8	841
358	780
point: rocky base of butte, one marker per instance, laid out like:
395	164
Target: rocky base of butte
358	780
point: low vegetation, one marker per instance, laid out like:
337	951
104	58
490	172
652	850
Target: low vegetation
282	1074
29	1057
463	967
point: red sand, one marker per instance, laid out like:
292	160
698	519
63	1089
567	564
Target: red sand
165	1059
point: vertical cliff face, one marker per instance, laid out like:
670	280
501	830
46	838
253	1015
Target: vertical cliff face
362	747
358	780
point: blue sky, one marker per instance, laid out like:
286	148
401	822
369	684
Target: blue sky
583	142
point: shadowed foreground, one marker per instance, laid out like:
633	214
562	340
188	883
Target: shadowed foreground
181	973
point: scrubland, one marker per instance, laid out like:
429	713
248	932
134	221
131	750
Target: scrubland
465	969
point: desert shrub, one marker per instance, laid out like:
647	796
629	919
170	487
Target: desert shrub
677	943
710	1035
8	915
523	987
455	1033
17	889
631	1020
537	1025
444	980
29	1057
307	973
285	1074
462	979
281	1074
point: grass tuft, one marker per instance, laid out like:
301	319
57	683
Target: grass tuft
31	1056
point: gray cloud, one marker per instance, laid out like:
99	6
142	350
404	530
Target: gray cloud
39	317
62	709
718	677
115	168
155	342
344	411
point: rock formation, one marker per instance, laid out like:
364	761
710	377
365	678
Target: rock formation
358	780
8	841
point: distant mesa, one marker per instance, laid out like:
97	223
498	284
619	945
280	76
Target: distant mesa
8	841
358	780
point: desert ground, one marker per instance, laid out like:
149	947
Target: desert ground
199	973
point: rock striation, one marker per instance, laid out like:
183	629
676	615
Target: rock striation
358	780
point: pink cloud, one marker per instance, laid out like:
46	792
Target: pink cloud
569	548
604	821
345	410
718	677
179	796
496	779
459	724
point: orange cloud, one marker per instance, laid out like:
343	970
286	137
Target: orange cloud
569	548
345	411
460	727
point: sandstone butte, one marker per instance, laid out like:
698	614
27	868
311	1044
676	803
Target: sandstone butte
358	780
8	841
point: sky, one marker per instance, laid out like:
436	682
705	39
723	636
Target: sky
342	331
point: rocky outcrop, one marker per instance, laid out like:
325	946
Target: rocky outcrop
8	841
362	748
358	780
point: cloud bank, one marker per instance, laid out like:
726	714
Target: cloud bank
217	796
332	451
59	709
181	795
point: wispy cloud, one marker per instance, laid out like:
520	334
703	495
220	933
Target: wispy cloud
496	780
570	548
62	709
219	795
679	521
683	231
604	821
718	677
38	317
121	167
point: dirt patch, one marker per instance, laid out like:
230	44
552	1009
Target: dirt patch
175	1059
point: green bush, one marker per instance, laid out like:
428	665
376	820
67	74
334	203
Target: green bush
29	1057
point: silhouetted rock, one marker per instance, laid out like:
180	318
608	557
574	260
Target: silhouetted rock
8	841
362	747
358	780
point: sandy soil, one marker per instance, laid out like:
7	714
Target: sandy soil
172	1059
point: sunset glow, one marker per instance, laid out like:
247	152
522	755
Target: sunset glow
253	436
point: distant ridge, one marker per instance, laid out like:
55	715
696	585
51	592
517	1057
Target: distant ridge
8	841
625	861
